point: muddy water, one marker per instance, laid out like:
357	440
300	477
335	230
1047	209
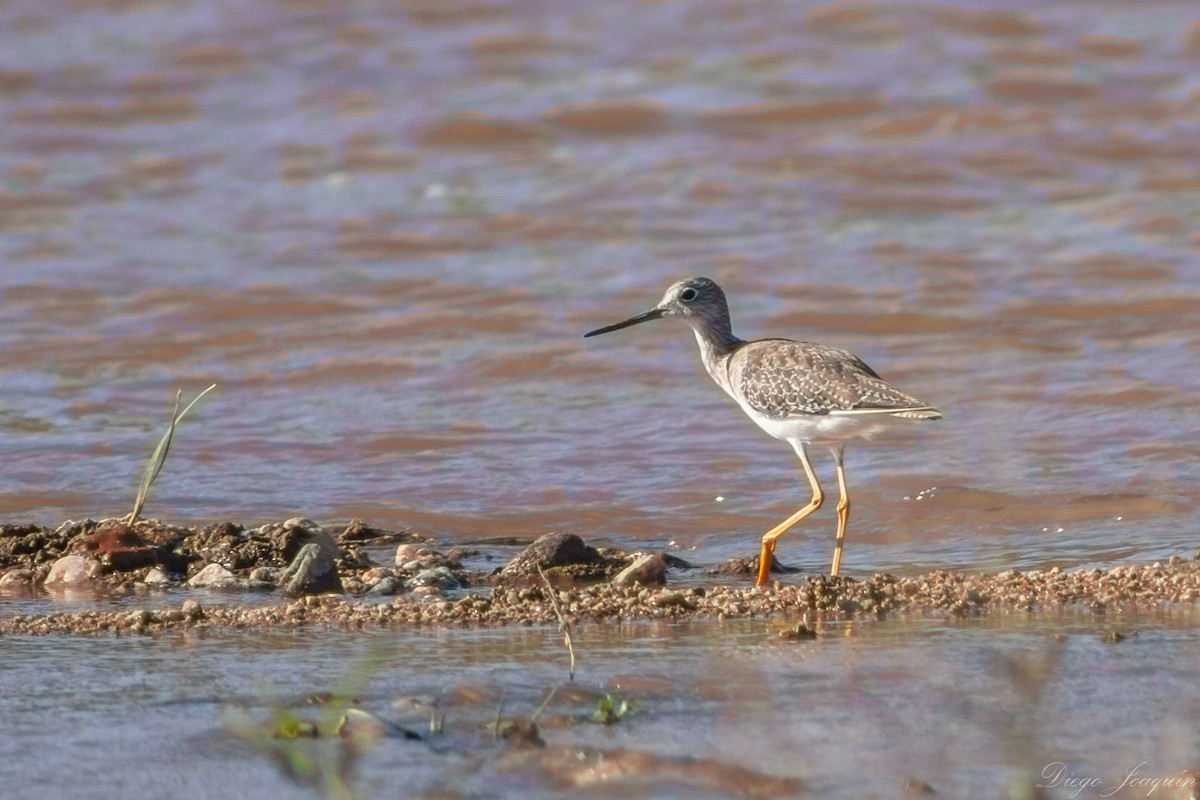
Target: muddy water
872	710
382	227
381	230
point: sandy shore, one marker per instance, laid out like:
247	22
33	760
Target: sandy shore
523	601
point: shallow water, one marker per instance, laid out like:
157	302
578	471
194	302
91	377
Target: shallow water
993	206
382	227
969	708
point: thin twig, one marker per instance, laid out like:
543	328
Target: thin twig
563	625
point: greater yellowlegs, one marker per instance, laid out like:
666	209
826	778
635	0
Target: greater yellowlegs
801	392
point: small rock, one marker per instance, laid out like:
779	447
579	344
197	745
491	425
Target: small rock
384	587
648	569
192	609
71	570
552	550
313	571
303	523
406	553
437	578
353	558
268	575
157	577
215	576
16	577
140	618
375	575
667	598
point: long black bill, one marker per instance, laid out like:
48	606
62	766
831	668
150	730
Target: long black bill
653	313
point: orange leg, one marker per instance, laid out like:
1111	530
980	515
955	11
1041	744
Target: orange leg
768	539
843	514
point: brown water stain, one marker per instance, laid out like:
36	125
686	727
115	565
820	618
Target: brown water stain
1174	308
17	81
1026	164
211	58
899	170
15	503
1078	194
302	163
257	304
373	153
551	361
159	110
389	443
575	227
36	211
470	129
1171	182
1190	47
351	104
785	114
991	24
1125	146
855	23
1032	55
1136	395
1028	86
440	14
711	192
969	507
360	35
1104	269
1165	450
879	201
793	164
1112	48
909	125
356	240
608	118
1159	225
152	172
524	45
988	120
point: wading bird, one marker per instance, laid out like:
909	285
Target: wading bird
801	392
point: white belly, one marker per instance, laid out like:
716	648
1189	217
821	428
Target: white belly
825	428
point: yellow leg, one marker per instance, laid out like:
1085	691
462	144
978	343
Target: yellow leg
768	539
843	514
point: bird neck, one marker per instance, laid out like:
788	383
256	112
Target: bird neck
716	341
714	332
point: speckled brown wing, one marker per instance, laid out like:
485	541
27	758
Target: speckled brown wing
780	378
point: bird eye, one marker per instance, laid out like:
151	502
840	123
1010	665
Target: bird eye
687	295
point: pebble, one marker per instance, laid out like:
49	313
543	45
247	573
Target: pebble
72	570
157	576
647	569
192	609
439	578
214	576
